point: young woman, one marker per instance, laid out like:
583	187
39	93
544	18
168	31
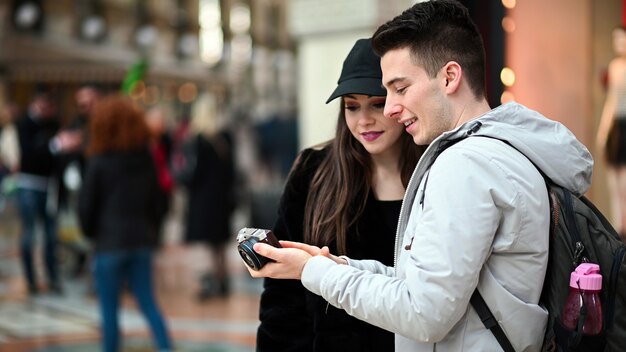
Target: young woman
120	207
346	195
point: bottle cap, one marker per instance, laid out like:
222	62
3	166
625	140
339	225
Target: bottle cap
587	277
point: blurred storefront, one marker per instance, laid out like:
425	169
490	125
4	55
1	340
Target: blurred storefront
93	43
215	46
272	63
235	53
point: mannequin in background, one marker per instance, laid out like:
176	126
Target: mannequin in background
611	139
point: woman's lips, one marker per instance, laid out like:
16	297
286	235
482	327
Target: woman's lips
371	136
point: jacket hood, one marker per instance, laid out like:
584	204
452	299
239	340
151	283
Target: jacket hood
550	145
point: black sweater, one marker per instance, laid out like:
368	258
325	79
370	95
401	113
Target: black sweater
121	202
293	318
34	139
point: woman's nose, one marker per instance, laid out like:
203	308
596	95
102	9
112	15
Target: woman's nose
366	117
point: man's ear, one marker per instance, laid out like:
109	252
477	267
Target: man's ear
452	73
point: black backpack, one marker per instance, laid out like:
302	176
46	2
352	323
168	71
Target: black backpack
578	233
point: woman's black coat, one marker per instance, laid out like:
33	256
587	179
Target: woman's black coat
293	318
121	202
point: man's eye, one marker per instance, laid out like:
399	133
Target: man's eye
400	90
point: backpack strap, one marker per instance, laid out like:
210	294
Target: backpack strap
477	301
489	321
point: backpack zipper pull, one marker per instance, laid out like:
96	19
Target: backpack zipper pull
578	254
474	128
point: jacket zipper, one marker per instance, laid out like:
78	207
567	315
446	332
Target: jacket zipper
398	234
436	153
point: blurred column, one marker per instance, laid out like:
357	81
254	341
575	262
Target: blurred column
4	15
324	31
4	22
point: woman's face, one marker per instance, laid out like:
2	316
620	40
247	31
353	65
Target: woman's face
365	120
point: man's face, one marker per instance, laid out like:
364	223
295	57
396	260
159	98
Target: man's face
45	107
85	100
414	99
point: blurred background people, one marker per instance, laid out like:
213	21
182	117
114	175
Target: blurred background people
9	153
157	119
40	146
120	209
74	165
209	178
86	97
9	145
611	138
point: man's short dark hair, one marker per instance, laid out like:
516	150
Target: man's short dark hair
436	32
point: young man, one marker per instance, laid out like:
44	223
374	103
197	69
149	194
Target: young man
476	212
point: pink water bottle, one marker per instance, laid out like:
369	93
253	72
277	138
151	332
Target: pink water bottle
584	298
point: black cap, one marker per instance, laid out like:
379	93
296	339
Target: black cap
361	72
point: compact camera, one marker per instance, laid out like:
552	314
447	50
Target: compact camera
246	238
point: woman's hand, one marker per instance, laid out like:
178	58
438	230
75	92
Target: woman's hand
289	260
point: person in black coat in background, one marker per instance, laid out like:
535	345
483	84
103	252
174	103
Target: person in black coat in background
120	208
41	144
210	192
345	194
74	165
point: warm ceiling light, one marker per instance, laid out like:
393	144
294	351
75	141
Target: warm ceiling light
138	90
508	24
506	97
187	92
507	76
509	4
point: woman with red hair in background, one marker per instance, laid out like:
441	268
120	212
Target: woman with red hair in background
120	207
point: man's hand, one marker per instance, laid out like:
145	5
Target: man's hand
68	141
313	250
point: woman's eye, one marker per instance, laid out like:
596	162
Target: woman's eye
352	108
379	105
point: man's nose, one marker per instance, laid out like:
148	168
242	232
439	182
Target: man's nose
392	109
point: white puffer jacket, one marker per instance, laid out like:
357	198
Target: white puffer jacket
477	216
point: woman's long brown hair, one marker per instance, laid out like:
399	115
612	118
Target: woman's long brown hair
341	184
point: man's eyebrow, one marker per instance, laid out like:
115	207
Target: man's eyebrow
394	81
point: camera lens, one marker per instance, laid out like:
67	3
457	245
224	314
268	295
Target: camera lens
249	256
246	258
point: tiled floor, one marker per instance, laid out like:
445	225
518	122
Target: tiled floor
70	322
